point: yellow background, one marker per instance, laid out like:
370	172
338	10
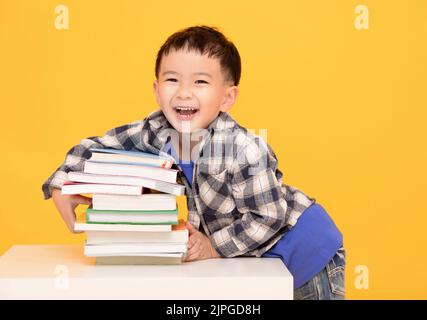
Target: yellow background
345	110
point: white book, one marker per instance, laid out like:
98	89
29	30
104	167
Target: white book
114	237
82	226
159	201
85	188
131	157
131	217
165	255
168	175
167	187
132	249
141	259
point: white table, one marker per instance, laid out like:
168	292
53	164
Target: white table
63	272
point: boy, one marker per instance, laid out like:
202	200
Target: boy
237	204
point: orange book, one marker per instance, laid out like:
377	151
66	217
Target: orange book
180	226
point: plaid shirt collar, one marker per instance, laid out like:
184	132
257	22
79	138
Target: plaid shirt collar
161	126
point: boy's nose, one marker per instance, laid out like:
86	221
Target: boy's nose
184	92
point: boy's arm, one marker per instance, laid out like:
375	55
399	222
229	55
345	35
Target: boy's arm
259	197
123	137
263	207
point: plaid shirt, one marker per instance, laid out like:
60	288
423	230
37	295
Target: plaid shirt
236	194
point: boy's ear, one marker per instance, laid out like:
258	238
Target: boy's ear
229	98
156	91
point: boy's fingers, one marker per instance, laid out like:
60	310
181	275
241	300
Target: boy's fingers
192	242
191	229
193	252
66	205
69	217
81	199
70	224
193	255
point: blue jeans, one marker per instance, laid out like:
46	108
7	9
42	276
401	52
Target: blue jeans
328	284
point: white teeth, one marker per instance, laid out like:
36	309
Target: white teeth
185	108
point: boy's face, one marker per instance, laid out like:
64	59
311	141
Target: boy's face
191	90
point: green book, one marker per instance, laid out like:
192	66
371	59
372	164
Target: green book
132	217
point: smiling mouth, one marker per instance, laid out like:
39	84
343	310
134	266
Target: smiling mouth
185	113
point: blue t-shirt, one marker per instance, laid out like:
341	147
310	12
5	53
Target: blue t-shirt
187	167
307	248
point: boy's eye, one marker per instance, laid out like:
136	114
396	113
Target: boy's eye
175	80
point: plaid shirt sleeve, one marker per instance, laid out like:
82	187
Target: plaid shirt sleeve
258	196
123	137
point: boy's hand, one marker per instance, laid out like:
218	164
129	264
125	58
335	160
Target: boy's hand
66	204
199	246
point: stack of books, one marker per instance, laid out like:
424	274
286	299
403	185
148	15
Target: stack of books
133	218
